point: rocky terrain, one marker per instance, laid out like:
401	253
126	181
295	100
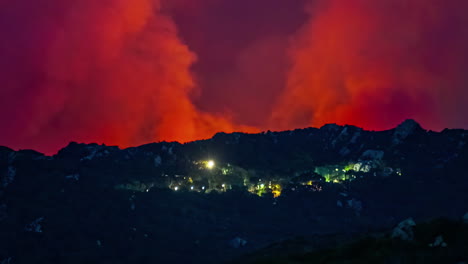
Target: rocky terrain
217	200
437	241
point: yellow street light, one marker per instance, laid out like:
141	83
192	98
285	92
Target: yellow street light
210	164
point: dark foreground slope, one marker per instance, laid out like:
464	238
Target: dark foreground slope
157	203
437	241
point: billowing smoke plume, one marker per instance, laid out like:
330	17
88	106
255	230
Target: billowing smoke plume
374	63
241	46
128	72
102	71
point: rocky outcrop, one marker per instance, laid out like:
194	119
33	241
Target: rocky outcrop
35	226
237	242
404	230
405	129
438	242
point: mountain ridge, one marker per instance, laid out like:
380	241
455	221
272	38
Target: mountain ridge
218	134
214	200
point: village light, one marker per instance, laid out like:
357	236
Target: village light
191	188
210	164
176	188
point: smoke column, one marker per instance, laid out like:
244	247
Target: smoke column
375	63
110	71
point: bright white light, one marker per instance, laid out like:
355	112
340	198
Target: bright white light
262	185
191	188
203	188
210	164
223	185
176	188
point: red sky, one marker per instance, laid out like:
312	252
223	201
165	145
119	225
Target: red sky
126	72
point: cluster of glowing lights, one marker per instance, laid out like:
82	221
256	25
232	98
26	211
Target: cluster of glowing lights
192	188
335	174
276	190
261	189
